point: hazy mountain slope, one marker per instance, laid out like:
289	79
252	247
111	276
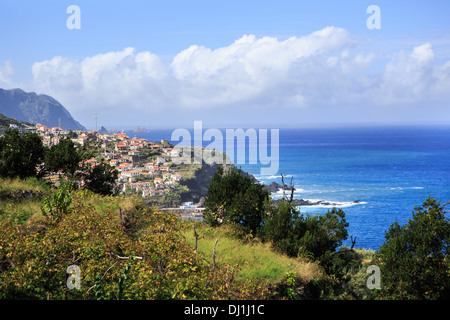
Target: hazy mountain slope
34	108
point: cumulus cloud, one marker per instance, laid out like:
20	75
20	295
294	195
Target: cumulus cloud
408	76
110	80
6	72
319	69
250	70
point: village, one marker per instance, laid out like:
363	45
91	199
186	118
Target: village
145	168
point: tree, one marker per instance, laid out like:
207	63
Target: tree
20	154
414	258
324	234
63	156
284	227
313	236
235	197
100	179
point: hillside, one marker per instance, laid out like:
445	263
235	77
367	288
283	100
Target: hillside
5	122
106	237
34	108
162	256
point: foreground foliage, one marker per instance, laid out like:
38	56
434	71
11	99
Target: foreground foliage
414	258
122	249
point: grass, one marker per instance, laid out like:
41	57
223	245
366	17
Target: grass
255	260
29	184
21	211
366	255
28	211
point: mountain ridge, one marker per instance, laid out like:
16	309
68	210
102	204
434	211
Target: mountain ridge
36	108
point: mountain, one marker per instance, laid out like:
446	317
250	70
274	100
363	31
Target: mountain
34	108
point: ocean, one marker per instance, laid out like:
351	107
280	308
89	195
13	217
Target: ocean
388	169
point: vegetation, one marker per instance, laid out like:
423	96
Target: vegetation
101	179
248	247
234	197
5	122
20	154
254	259
122	249
24	156
63	156
414	259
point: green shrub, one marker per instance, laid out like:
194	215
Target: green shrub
57	203
234	197
414	258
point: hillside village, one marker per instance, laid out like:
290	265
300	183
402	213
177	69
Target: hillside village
145	167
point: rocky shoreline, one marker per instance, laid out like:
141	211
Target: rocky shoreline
310	203
277	188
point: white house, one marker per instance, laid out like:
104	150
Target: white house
131	173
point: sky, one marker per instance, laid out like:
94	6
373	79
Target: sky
232	64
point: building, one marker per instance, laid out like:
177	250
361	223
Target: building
54	141
176	177
125	166
131	173
41	127
134	153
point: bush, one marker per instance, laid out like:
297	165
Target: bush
58	202
155	262
234	197
309	236
63	156
101	179
20	154
413	259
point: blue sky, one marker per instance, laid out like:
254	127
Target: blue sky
232	63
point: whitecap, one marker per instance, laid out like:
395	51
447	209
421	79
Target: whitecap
332	204
405	188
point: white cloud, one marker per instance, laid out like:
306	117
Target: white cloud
319	69
408	77
6	72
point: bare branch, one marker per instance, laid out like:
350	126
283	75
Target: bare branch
196	238
87	292
214	264
353	241
125	258
292	191
214	255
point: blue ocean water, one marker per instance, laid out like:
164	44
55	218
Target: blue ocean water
388	169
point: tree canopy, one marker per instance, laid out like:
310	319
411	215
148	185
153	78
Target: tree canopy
63	156
20	154
414	258
235	197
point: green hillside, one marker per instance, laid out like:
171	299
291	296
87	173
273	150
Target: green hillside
6	121
106	237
